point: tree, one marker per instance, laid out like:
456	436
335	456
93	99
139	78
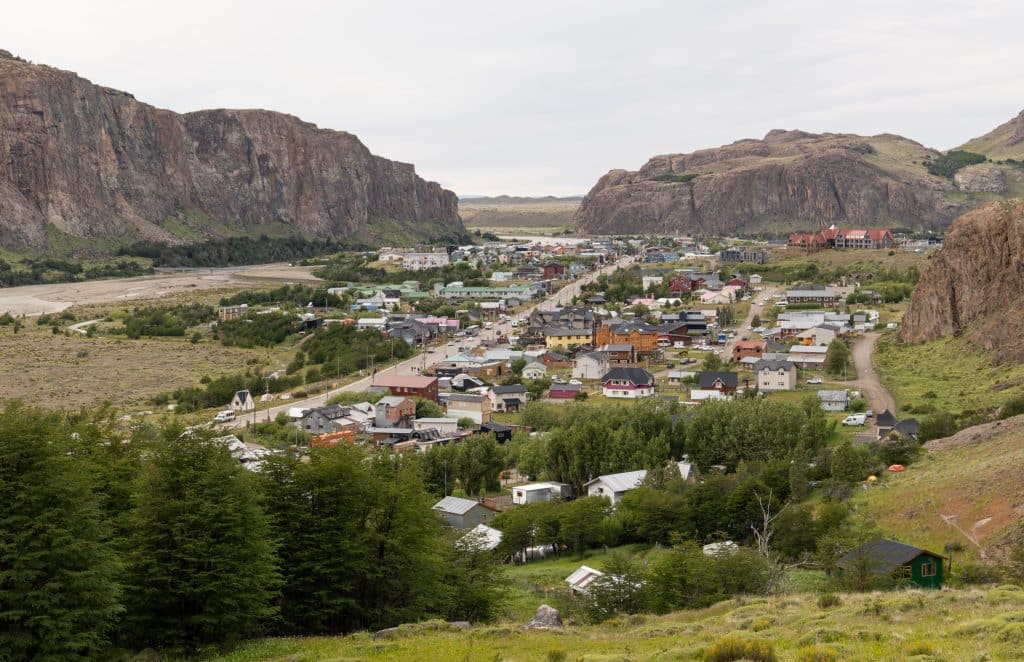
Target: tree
712	362
838	358
517	366
202	565
755	321
474	583
847	464
580	522
619	591
427	408
59	575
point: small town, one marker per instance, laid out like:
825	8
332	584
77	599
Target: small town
548	332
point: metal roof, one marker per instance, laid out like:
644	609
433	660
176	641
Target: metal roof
621	482
637	376
455	505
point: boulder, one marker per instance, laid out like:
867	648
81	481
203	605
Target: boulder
546	618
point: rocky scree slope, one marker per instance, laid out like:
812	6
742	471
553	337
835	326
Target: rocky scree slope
790	180
975	284
93	162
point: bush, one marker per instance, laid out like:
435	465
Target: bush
977	573
947	164
921	648
828	600
1013	407
816	653
732	647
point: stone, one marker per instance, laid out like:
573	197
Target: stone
94	162
546	618
973	285
980	178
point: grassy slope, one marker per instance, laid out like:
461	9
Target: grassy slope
974	479
951	374
950	625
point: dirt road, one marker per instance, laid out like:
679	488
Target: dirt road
39	299
867	382
757	305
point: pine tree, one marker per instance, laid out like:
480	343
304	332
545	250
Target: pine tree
201	567
319	511
59	590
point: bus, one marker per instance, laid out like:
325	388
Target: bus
472	330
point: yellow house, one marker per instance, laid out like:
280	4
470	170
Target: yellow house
559	338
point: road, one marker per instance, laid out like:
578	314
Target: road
867	382
741	329
414	365
81	327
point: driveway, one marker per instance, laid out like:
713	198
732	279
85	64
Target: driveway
741	328
867	382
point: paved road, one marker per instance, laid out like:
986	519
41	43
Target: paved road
867	382
417	363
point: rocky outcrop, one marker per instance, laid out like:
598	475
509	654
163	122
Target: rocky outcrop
789	179
546	618
975	284
93	162
981	178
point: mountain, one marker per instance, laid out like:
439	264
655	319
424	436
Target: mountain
1006	141
794	179
83	164
974	285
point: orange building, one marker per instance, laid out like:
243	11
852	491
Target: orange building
748	349
641	335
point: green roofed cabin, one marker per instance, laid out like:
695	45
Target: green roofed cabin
904	563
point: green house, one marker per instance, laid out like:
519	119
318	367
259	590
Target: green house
904	563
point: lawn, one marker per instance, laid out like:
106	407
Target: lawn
948	375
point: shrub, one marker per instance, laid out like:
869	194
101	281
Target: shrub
947	164
977	573
828	600
817	653
732	647
921	648
1011	633
555	655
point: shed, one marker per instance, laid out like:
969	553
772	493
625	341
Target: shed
900	561
581	578
463	513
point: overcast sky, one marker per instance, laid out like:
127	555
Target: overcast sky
539	98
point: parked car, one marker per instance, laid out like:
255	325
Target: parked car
815	380
224	416
869	413
670	365
855	419
576	382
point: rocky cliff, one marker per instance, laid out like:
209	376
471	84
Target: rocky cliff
92	162
975	284
790	180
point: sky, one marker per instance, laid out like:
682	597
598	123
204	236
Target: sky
542	98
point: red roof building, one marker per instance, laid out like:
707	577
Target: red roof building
408	385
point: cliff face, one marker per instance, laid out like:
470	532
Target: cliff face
975	284
95	162
788	180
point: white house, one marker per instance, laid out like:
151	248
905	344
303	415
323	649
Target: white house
592	365
775	376
536	492
581	579
614	486
651	280
418	261
242	401
629	383
378	323
534	370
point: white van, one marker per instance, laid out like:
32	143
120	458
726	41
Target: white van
855	419
224	416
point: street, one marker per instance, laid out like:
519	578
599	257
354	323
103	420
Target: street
413	365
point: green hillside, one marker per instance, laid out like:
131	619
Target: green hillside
972	624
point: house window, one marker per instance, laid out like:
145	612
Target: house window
903	572
929	569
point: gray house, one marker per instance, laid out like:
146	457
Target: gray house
463	513
834	400
592	365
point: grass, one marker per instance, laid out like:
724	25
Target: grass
971	482
959	624
951	375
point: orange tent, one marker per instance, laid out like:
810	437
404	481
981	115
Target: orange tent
897	468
